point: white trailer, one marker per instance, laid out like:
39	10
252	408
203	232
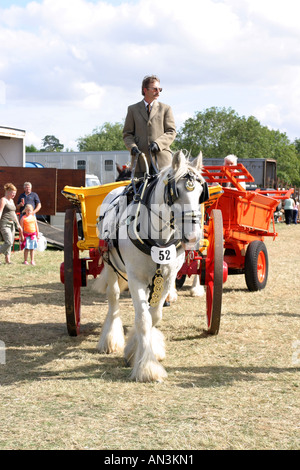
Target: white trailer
101	164
12	147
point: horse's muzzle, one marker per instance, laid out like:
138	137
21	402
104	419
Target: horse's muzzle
190	227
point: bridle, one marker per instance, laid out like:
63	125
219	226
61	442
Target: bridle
178	218
171	194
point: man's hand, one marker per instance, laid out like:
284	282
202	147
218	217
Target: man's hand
135	151
154	148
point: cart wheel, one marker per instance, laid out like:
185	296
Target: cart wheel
256	266
214	273
180	280
74	272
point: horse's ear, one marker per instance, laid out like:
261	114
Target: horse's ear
197	162
118	168
178	160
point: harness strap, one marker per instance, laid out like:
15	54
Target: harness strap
156	288
108	261
146	245
116	240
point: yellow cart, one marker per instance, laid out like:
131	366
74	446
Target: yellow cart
75	269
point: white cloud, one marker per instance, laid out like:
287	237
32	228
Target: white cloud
33	139
87	59
269	113
2	92
94	95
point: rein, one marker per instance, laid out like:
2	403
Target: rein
171	194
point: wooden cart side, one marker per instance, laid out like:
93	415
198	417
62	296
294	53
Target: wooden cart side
90	200
233	175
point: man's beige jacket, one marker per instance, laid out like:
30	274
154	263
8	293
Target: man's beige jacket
141	130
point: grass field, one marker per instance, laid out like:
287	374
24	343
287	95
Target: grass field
237	390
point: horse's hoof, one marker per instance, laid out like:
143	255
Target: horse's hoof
126	363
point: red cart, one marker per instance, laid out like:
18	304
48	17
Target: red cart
248	217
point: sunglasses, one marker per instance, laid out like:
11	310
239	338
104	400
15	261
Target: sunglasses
155	89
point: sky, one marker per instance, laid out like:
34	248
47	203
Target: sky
69	66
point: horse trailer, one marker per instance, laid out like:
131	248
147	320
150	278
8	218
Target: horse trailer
104	164
12	146
101	164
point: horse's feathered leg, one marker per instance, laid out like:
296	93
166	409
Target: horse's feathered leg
112	335
158	341
197	289
146	367
157	344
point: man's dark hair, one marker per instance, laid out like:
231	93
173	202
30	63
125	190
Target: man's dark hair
147	80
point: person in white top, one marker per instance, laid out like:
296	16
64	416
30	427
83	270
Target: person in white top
231	160
288	210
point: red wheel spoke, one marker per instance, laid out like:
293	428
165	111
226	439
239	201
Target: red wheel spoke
72	273
214	273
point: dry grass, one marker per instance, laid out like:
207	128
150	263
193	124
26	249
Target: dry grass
238	390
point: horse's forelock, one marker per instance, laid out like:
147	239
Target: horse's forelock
185	168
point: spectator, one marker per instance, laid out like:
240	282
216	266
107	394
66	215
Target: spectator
288	210
231	160
8	220
30	233
28	197
295	211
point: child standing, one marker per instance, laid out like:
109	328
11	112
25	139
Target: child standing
30	233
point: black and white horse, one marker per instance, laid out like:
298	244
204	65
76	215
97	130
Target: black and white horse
146	237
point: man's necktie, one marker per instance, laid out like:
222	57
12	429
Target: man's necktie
148	109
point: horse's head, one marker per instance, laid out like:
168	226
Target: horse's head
124	173
185	191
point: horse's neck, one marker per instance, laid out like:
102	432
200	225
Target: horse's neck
158	215
157	197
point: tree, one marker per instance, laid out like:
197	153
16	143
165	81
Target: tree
31	148
218	132
297	145
51	144
206	131
107	137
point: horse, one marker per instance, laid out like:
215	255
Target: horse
145	241
124	172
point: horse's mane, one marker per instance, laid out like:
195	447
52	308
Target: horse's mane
182	170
